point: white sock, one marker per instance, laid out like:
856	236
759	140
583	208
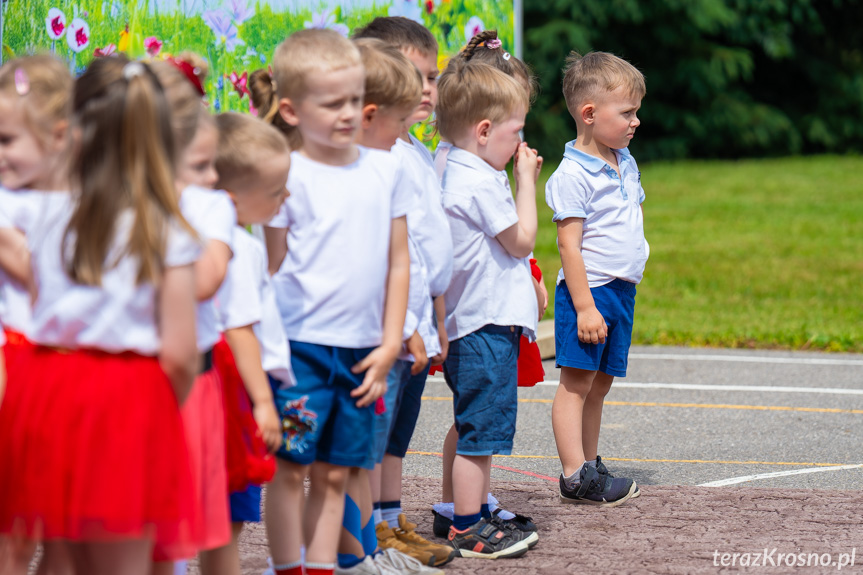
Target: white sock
493	505
445	509
180	568
391	515
376	516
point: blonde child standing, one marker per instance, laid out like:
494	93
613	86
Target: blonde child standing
114	329
339	248
253	161
490	300
596	196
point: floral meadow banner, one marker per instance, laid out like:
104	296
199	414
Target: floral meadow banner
234	36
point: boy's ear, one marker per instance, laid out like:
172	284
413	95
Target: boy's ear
481	131
288	112
368	116
588	113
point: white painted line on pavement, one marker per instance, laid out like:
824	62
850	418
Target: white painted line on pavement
747	478
748	359
705	387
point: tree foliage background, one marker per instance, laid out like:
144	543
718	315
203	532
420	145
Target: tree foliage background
725	78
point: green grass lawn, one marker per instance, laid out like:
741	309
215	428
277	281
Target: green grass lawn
754	253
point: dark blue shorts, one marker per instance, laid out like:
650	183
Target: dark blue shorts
320	420
246	505
396	379
407	413
616	302
482	372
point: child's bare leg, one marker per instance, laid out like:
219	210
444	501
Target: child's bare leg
55	559
223	560
324	510
592	417
16	555
358	489
127	557
391	479
469	477
375	479
449	448
284	509
567	416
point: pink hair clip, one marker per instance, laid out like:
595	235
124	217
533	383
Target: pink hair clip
493	44
22	82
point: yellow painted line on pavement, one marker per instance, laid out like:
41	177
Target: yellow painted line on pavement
642	460
695	406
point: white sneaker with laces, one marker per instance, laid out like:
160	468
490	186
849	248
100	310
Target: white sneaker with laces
397	562
365	567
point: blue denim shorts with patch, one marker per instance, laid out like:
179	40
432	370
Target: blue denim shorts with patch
616	302
481	369
320	419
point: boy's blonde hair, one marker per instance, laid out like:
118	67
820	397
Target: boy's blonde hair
243	140
392	81
300	55
469	92
43	86
596	74
401	32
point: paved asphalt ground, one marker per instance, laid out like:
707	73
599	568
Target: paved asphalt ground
750	452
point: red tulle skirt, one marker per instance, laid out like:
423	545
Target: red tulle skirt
249	461
93	450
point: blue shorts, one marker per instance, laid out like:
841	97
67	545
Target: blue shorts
616	302
320	419
246	505
396	379
407	413
481	369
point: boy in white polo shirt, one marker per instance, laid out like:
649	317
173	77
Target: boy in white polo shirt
596	196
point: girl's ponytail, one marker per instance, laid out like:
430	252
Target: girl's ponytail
265	98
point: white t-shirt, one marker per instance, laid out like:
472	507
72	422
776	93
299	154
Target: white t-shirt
120	314
613	243
427	222
489	286
440	155
246	297
212	214
21	210
331	285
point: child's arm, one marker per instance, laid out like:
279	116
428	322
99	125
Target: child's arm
15	255
440	316
211	268
276	240
519	239
246	350
178	355
377	364
591	325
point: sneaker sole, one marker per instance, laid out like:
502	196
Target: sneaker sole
531	539
510	552
621	501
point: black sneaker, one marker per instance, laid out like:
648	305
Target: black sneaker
596	489
486	540
603	470
519	526
441	525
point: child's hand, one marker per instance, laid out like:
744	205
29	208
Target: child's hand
541	296
417	348
527	162
591	326
268	423
377	365
444	349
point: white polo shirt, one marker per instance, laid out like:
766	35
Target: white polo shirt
246	298
584	186
331	285
212	214
489	286
118	315
427	222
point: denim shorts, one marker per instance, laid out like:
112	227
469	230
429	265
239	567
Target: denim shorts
246	505
320	419
616	302
406	415
481	369
396	380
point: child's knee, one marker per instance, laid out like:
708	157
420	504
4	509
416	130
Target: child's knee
574	380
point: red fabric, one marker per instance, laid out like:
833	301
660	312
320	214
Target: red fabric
530	371
535	271
94	450
298	570
319	571
248	460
